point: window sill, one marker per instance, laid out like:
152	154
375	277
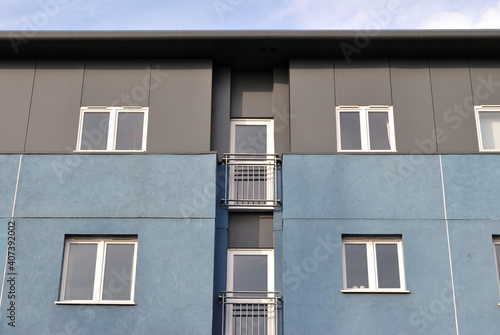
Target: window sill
365	151
118	303
377	291
108	151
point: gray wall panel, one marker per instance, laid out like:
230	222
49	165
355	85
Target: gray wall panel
16	85
453	106
250	230
281	110
180	108
485	77
413	109
362	82
54	116
116	83
221	101
312	106
251	94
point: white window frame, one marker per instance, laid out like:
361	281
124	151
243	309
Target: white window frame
483	109
371	243
99	269
269	123
496	241
113	126
364	127
237	252
270	286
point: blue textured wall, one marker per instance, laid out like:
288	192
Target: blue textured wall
168	201
9	165
472	184
362	186
313	279
117	185
327	196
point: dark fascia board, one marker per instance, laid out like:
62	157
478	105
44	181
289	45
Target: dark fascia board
269	46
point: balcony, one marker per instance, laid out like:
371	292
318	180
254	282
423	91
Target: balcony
251	181
249	312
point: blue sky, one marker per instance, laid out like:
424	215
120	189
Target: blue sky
247	14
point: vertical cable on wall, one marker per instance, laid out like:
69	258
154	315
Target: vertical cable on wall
449	247
12	219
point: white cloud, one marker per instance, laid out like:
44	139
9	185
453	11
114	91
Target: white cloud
490	18
483	18
249	14
320	14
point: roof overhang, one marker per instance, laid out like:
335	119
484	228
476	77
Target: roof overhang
261	45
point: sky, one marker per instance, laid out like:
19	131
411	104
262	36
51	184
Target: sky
247	14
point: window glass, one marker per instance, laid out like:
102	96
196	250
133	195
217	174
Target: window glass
95	131
356	266
497	254
118	272
387	266
80	272
251	139
490	130
379	131
250	273
129	131
350	131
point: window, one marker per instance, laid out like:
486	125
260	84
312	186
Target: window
251	165
99	270
365	128
113	129
373	264
250	301
488	127
496	245
252	136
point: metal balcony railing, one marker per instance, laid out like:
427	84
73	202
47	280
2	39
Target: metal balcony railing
251	180
249	312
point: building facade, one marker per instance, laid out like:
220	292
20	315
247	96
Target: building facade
250	182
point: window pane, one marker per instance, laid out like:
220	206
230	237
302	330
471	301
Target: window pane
95	131
250	139
379	131
80	272
117	282
490	129
387	266
129	131
250	273
497	253
356	266
350	133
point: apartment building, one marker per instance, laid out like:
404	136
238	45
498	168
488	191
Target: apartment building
250	182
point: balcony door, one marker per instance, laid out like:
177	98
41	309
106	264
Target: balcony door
252	162
250	303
